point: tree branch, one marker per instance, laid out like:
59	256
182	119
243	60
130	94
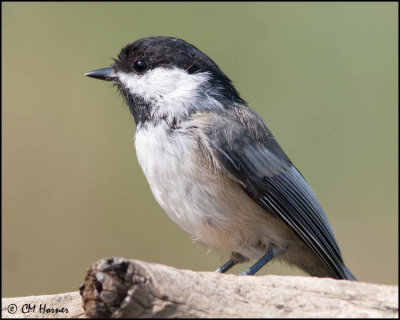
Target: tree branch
118	287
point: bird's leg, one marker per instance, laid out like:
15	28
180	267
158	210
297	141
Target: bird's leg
260	263
236	258
226	266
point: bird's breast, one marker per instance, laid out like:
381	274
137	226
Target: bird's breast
203	201
181	182
169	161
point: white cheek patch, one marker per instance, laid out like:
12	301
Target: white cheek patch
163	83
172	92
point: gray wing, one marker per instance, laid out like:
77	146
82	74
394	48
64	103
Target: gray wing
243	147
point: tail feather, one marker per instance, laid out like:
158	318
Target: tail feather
349	275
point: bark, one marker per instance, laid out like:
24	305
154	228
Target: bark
118	287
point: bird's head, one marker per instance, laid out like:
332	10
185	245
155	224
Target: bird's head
164	77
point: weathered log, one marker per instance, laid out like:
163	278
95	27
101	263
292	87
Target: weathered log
118	287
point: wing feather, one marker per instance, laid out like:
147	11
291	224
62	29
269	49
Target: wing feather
247	151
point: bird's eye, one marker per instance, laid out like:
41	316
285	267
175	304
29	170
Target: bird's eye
140	66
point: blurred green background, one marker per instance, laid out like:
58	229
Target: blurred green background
323	75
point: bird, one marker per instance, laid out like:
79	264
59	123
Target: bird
214	166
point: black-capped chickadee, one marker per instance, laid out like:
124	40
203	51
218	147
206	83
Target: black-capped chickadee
213	165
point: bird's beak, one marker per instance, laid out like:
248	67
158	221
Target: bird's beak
106	74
